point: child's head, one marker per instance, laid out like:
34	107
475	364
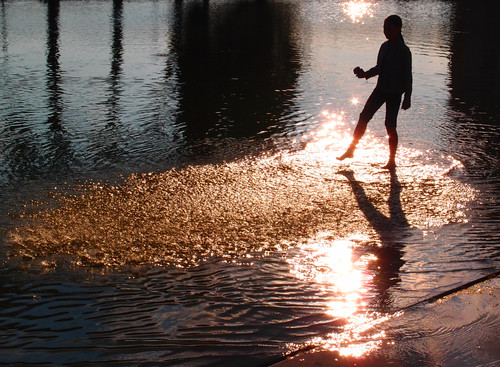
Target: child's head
392	27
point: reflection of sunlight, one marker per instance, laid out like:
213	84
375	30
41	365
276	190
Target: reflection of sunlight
334	136
356	339
357	9
332	264
332	133
359	337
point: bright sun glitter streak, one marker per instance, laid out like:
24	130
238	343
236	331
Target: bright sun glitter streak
332	264
332	135
358	338
358	9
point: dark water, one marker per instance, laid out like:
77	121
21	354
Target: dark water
170	193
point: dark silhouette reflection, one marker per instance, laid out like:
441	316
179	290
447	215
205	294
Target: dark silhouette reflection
107	148
60	155
392	231
116	60
474	130
237	65
33	153
4	29
53	66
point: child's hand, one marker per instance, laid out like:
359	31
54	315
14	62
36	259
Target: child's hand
406	103
360	73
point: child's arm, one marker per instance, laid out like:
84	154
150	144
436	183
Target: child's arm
408	82
360	73
372	72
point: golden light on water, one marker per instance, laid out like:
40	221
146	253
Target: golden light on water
258	204
332	266
359	336
335	268
358	9
332	135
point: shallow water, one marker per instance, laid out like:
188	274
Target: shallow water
170	192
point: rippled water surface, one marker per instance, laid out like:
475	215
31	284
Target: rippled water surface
170	192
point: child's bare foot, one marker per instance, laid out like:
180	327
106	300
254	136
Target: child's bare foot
348	154
390	165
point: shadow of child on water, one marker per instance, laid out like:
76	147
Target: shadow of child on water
393	230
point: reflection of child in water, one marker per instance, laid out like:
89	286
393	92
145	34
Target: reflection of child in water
394	79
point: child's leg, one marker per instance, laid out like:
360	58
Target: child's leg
391	118
374	102
393	147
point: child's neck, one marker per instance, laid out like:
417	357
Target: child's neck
396	38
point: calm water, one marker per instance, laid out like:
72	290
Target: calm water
170	193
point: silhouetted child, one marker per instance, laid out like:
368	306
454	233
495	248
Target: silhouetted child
394	79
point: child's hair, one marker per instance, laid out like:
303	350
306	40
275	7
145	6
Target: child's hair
395	20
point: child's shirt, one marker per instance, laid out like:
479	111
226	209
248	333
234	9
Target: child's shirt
393	68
